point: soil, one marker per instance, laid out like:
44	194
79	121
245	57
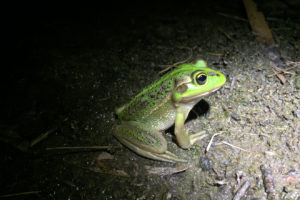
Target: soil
69	68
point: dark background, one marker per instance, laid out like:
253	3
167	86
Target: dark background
61	60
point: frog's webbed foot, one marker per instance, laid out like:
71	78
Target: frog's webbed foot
166	156
145	141
197	136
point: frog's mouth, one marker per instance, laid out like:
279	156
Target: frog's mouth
192	98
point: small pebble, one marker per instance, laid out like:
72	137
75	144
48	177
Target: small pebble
235	116
206	163
296	113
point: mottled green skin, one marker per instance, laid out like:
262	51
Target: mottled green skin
163	103
147	106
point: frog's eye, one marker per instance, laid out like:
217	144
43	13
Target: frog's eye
201	79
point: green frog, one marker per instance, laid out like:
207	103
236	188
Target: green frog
165	102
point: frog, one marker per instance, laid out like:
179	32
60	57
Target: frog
162	104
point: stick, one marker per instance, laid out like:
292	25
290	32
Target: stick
232	83
242	191
163	171
268	181
284	70
211	140
44	135
87	147
227	35
232	17
280	76
19	194
258	23
235	146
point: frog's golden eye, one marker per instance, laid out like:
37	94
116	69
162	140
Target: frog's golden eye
201	79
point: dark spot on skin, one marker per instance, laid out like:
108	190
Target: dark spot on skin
177	81
163	85
182	88
144	104
152	96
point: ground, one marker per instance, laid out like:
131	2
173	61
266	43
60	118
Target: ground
70	70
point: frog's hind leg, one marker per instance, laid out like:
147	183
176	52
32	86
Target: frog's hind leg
145	141
167	156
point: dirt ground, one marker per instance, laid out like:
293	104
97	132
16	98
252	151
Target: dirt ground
70	69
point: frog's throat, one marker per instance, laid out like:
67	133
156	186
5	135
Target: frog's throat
192	98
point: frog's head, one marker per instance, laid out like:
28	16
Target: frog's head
193	81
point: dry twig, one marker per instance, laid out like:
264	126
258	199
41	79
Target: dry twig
19	194
258	23
163	171
224	142
86	147
217	54
242	190
226	34
280	76
232	17
268	181
232	83
287	69
211	140
44	135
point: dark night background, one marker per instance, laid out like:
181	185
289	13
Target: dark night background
67	67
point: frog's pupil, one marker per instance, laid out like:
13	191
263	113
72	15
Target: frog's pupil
201	79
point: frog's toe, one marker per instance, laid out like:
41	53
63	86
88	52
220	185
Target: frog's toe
166	156
197	136
170	157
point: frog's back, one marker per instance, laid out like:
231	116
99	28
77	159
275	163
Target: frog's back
149	101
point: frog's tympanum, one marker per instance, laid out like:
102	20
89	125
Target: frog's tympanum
163	103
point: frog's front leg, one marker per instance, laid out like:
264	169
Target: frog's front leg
144	140
183	139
